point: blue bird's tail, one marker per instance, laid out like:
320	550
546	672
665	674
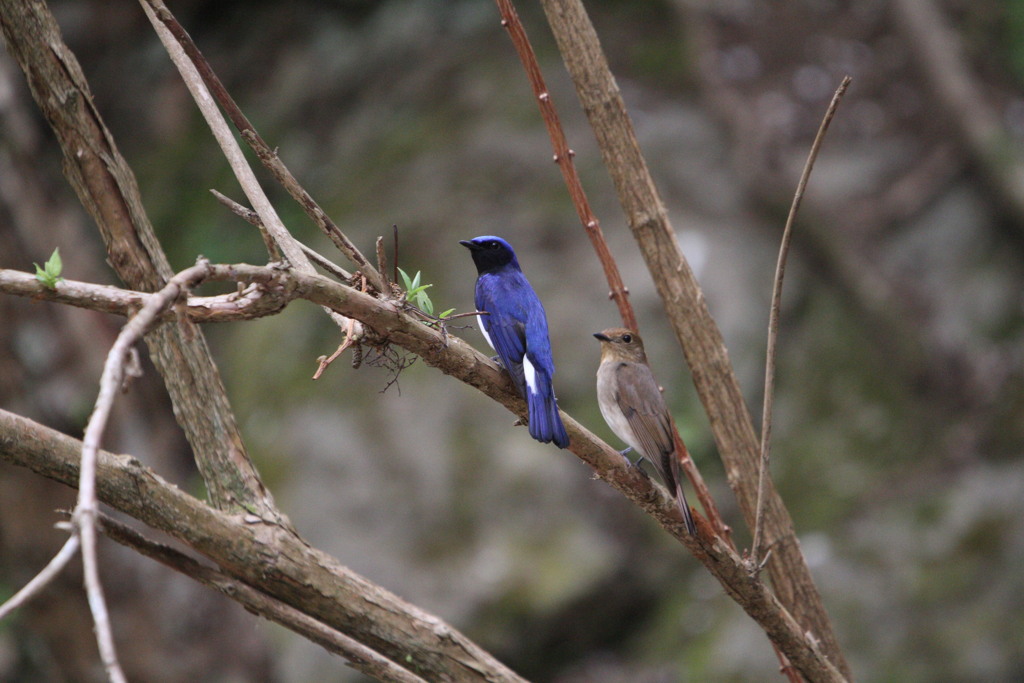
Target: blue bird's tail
545	422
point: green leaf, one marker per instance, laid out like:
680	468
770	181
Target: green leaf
49	274
447	313
405	277
54	266
417	291
424	303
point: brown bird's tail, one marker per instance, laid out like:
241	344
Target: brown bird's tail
676	486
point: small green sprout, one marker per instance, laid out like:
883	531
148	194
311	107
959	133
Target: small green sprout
416	294
49	274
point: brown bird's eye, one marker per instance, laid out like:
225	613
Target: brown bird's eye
627	338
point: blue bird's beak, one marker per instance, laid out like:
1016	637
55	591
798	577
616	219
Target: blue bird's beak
472	246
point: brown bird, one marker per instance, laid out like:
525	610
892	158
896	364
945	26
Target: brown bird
634	408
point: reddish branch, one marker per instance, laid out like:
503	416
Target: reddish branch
563	157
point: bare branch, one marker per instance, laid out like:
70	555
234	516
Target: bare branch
86	509
252	302
266	556
773	325
43	578
563	157
391	324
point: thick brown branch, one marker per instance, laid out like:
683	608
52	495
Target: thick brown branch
452	356
267	557
359	656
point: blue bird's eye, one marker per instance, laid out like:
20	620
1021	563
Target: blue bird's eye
627	338
493	245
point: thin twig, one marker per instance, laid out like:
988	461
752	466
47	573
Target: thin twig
43	578
359	656
563	157
253	218
773	323
86	509
267	156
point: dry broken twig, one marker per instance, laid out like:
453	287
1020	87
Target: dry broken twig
756	550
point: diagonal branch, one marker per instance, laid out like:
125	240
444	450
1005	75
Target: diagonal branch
564	158
265	556
452	356
358	655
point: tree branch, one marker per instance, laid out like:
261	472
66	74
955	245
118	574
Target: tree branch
390	324
253	302
359	656
267	156
773	325
563	157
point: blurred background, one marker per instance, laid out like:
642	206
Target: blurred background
900	406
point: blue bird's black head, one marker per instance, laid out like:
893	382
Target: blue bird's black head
490	253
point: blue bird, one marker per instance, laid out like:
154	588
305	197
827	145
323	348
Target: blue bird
517	329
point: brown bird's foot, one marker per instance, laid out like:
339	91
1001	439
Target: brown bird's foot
638	464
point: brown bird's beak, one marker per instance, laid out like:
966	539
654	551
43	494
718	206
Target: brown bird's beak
602	337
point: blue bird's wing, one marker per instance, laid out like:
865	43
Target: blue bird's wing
505	326
517	329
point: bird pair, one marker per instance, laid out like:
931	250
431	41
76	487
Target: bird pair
517	328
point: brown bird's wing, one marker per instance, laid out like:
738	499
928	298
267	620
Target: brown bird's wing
644	409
